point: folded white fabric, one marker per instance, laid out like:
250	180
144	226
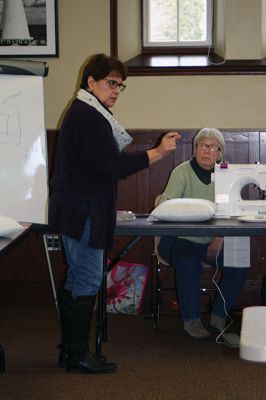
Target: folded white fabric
184	209
237	251
8	225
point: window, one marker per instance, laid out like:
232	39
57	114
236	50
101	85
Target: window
177	23
177	51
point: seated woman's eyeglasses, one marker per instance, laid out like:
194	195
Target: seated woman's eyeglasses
113	84
211	147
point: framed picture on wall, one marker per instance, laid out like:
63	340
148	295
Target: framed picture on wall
28	28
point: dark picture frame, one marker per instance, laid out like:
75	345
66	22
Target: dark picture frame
29	28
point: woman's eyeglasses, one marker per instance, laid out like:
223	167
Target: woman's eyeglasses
211	147
113	84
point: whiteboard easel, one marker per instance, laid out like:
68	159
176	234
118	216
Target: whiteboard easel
23	154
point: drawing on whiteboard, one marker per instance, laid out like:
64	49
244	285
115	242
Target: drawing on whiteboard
10	130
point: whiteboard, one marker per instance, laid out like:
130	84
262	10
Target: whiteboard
23	155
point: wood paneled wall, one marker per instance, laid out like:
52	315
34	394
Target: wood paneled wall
24	275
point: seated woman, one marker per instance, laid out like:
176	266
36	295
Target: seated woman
192	179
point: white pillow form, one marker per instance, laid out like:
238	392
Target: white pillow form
184	209
8	226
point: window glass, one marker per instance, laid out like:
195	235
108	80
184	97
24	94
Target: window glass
192	20
177	23
163	21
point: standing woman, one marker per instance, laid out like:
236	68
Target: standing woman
82	206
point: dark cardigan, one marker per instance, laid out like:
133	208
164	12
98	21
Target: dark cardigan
88	166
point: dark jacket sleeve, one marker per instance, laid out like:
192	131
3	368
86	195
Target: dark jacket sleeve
98	149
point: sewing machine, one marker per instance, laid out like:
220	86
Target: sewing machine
229	180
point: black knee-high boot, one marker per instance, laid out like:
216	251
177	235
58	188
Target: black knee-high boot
64	303
80	359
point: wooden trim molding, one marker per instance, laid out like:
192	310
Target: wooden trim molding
113	29
192	65
180	64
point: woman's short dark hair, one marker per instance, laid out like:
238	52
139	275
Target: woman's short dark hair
99	67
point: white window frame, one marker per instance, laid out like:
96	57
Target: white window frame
178	44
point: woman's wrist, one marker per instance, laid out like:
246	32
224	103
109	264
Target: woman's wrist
154	155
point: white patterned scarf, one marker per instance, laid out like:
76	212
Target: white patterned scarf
120	134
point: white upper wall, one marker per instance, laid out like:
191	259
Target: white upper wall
129	27
84	28
193	102
263	28
151	102
243	29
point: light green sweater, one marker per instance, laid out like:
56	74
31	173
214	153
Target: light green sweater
183	182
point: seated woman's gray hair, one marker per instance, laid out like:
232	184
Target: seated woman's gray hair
210	133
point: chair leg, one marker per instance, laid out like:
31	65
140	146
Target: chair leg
2	360
208	292
157	287
263	291
157	296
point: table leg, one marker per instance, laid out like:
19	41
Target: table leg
101	330
52	242
263	291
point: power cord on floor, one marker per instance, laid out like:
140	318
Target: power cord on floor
231	341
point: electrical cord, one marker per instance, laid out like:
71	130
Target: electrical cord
221	294
215	63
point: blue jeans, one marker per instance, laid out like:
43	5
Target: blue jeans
85	265
186	258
